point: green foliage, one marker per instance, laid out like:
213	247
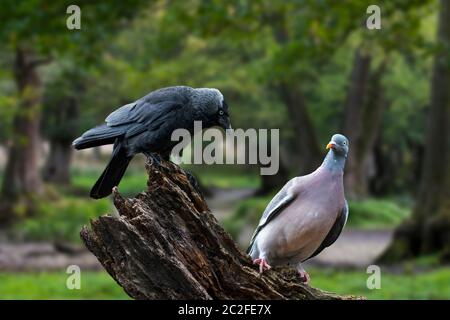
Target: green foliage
52	285
412	285
64	93
61	220
41	26
8	100
376	213
247	213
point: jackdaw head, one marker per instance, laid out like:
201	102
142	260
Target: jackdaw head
213	107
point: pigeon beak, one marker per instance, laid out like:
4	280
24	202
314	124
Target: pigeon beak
330	145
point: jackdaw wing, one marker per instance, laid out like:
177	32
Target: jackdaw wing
149	107
156	116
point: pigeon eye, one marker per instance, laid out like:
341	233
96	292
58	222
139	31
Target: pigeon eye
345	143
221	112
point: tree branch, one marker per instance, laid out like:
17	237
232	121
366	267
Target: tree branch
167	245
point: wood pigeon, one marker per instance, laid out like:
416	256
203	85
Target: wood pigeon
305	216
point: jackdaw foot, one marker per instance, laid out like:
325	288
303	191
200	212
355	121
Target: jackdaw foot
153	158
263	265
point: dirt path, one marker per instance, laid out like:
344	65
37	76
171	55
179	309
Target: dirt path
43	256
354	248
224	201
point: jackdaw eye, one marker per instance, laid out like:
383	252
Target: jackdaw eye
221	112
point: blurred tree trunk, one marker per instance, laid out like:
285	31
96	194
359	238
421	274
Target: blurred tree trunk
307	145
363	115
22	177
274	182
271	183
65	113
57	167
354	177
428	231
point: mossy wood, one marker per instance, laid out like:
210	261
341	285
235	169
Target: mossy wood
166	244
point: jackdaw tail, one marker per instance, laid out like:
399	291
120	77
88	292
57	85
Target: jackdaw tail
98	136
112	174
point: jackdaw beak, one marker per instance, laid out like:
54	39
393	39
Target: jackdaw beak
225	123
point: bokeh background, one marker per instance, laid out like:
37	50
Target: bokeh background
309	68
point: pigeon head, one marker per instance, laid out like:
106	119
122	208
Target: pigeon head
335	159
339	145
212	106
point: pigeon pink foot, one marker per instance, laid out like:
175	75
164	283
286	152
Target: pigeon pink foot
304	277
263	265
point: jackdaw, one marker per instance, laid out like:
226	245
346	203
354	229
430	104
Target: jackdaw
146	125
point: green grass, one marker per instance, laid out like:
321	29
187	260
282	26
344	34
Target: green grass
132	183
226	176
52	285
135	179
61	220
99	285
427	285
248	212
230	181
376	213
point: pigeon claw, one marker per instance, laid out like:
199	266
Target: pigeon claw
263	265
304	277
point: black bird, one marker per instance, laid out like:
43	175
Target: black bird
146	125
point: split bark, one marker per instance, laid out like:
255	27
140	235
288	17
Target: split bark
166	244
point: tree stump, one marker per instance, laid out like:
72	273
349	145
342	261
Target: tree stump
166	244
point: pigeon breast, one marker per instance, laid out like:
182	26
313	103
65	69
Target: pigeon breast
295	234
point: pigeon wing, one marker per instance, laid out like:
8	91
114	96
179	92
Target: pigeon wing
281	200
335	231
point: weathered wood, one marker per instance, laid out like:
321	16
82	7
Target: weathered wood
166	244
